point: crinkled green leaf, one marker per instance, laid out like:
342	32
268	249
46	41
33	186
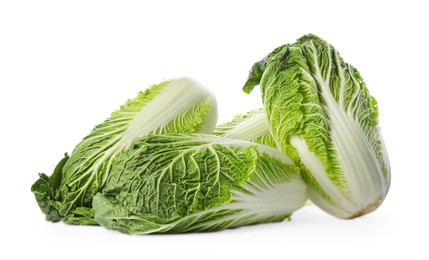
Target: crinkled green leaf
45	191
183	183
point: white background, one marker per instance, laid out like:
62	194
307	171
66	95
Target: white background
66	65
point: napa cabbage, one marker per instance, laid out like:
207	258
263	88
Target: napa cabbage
196	182
321	114
180	105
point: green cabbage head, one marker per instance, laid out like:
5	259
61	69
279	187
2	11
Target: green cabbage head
320	113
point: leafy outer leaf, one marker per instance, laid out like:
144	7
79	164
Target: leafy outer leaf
81	216
251	126
45	188
322	115
41	192
179	105
183	183
257	71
